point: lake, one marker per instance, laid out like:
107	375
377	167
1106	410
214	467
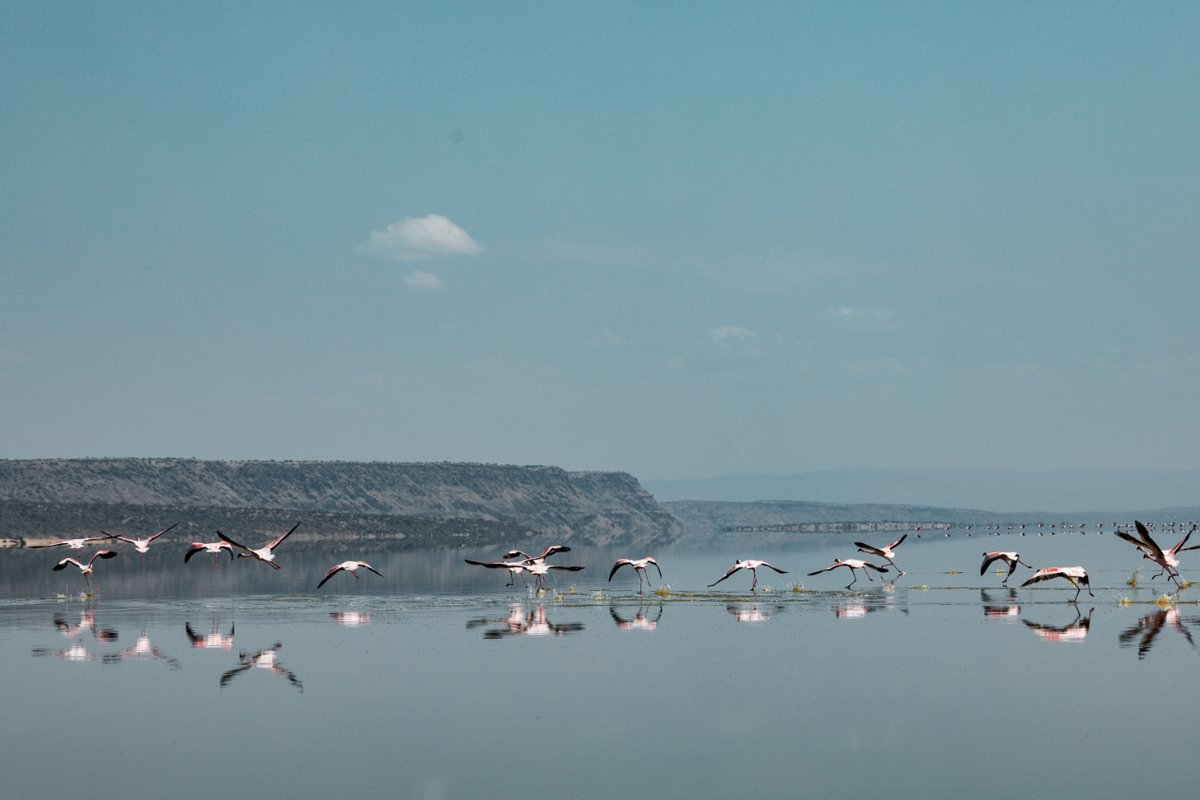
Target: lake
438	681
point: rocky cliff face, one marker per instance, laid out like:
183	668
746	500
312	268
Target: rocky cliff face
596	508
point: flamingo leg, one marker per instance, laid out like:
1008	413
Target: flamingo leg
853	572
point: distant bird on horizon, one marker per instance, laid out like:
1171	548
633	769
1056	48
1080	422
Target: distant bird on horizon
751	564
266	553
887	552
142	545
854	565
1076	576
348	566
1008	557
639	566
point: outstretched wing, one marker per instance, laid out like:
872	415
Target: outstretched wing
332	571
987	560
157	534
772	566
620	563
276	542
728	572
866	548
869	565
238	545
826	569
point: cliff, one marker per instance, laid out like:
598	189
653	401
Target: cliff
60	497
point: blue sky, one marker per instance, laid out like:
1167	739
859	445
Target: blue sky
676	239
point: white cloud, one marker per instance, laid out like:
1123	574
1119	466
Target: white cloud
730	332
423	280
419	238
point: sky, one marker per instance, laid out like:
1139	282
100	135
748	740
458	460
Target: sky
674	239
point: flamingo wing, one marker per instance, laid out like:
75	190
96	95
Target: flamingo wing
620	563
332	571
728	572
276	542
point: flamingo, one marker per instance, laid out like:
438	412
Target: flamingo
1167	559
549	551
74	544
1077	576
854	564
1008	557
539	569
266	553
514	568
887	552
142	545
85	569
348	566
639	566
212	548
751	564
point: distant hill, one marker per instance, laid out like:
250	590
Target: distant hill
442	504
1085	490
783	522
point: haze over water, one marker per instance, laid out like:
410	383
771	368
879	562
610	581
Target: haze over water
457	686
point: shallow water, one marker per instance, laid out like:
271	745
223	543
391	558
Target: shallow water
939	682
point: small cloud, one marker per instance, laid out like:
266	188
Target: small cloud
424	280
730	333
419	238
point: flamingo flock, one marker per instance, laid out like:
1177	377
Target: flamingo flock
516	562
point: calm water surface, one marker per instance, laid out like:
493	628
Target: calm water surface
439	681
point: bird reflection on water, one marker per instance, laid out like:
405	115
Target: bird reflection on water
1148	627
214	640
264	659
641	621
524	622
999	604
1075	631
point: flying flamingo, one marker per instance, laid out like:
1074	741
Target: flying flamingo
1167	559
265	553
85	569
514	568
750	564
212	548
539	569
887	552
1077	576
1010	558
142	545
854	564
549	551
348	566
639	566
74	544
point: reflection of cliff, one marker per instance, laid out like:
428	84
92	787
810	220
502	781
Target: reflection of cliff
409	505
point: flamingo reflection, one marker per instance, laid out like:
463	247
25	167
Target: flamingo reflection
263	659
523	622
87	623
751	612
77	653
351	619
641	620
1000	607
1149	626
143	649
214	640
1075	631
